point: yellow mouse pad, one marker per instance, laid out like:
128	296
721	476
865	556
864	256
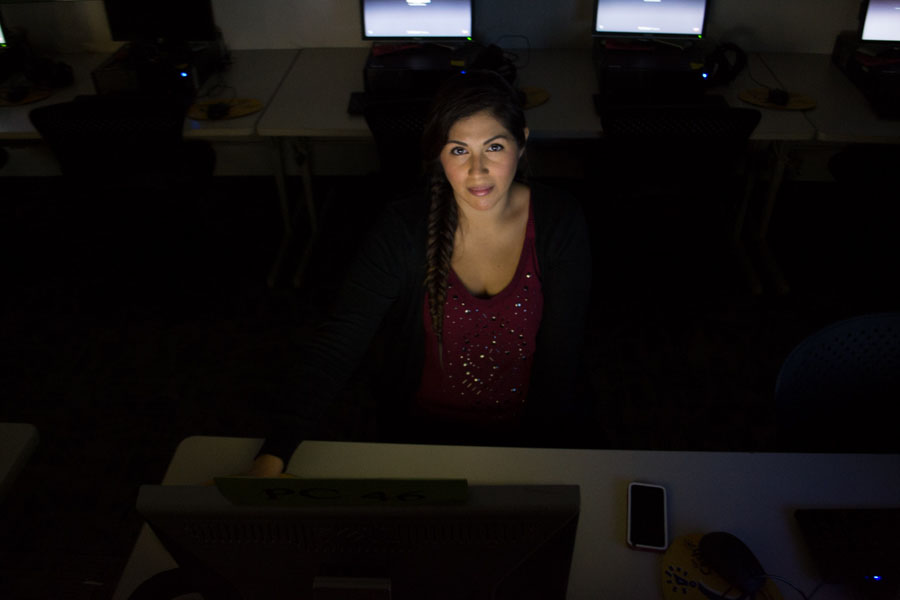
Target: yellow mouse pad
760	97
226	109
535	96
685	577
32	95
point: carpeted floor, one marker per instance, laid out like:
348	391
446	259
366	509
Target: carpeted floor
118	342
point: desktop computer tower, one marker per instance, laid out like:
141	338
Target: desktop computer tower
150	70
414	71
639	76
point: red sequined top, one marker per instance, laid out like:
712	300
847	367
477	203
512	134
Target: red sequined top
488	349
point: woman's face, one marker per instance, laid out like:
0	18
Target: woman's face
480	160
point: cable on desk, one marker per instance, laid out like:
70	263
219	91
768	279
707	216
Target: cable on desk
778	83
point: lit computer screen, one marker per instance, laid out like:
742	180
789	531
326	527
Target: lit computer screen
881	21
416	19
2	34
650	18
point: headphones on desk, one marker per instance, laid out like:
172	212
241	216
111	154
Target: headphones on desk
724	63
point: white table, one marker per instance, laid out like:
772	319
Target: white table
253	74
17	443
842	113
749	495
14	121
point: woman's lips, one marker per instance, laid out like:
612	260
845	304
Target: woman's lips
482	190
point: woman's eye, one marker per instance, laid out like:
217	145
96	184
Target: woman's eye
495	147
457	151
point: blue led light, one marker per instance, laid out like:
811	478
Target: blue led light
705	75
184	74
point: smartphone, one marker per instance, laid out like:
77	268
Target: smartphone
648	524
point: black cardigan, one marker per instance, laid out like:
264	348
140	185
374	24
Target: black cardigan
382	299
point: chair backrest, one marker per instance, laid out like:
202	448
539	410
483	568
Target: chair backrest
108	136
683	132
688	122
840	385
397	125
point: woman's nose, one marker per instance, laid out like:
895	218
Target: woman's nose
477	164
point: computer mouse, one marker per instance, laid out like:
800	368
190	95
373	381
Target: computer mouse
732	560
778	97
218	110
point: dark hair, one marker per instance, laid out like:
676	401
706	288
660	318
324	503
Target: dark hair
461	96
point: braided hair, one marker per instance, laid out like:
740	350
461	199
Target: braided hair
461	96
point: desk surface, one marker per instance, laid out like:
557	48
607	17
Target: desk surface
312	101
750	495
253	74
14	122
306	93
842	112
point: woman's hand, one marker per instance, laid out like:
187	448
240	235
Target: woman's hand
266	465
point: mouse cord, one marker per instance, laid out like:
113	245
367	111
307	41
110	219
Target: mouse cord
779	84
794	587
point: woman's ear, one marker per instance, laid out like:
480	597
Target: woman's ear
522	149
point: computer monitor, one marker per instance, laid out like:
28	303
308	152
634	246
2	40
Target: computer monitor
880	20
175	21
3	41
397	20
509	541
650	18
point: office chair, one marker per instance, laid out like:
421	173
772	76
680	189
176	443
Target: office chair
838	389
133	192
121	140
397	125
685	171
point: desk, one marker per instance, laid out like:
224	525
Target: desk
14	121
842	113
17	443
253	74
750	495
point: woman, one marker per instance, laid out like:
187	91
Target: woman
478	296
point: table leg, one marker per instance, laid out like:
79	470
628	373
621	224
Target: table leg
779	281
278	158
306	170
299	150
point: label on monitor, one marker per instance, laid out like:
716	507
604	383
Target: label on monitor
285	491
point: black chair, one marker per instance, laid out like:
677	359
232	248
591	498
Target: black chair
680	178
397	125
122	140
134	194
838	389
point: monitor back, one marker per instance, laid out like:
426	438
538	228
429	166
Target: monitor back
504	542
